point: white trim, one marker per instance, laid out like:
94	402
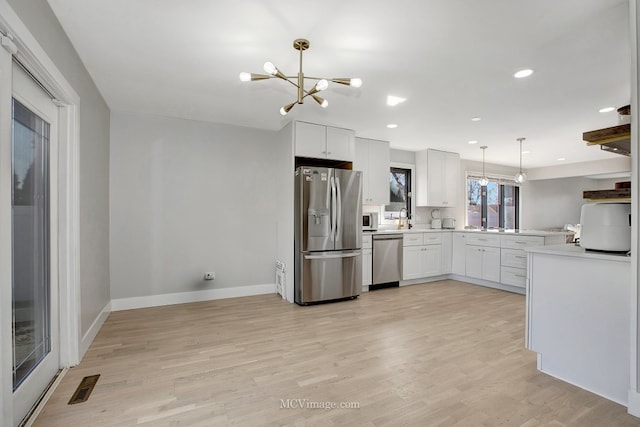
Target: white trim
633	403
195	296
34	57
93	330
634	327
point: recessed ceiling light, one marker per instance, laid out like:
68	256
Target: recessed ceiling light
392	100
523	73
560	159
392	125
606	109
476	119
473	142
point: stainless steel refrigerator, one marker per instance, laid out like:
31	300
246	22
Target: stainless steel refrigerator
328	234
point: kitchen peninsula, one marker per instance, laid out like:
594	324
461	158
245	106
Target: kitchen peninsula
578	316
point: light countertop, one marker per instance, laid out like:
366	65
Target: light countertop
572	250
417	229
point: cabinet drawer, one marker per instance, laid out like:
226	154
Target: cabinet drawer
432	238
412	239
367	241
513	258
483	240
513	276
521	241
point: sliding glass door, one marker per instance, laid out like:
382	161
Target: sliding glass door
33	244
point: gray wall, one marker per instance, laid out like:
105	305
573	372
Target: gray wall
551	203
94	156
189	197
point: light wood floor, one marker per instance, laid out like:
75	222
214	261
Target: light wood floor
438	354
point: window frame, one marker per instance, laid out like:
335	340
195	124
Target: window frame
501	181
412	200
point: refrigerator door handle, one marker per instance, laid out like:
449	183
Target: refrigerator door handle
334	224
333	256
339	209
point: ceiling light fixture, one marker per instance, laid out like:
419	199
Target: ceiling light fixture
484	180
520	176
476	119
523	73
392	100
392	125
473	142
298	81
606	109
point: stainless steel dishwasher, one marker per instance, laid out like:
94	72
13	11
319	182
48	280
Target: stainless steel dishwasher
387	258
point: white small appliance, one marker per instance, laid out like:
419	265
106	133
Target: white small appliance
606	227
370	221
449	223
436	222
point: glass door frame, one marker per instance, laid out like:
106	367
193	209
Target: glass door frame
24	46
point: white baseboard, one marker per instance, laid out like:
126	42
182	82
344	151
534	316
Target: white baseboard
633	403
88	338
195	296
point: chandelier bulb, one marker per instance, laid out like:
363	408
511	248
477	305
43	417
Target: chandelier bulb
245	77
484	181
322	85
270	68
355	82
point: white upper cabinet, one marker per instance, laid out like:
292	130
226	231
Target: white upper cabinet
438	176
372	158
323	142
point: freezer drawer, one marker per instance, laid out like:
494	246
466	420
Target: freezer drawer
327	276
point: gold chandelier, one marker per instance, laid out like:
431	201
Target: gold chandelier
322	83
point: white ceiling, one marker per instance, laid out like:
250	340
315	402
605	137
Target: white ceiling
452	60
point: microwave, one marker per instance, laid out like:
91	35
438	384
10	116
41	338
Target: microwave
370	221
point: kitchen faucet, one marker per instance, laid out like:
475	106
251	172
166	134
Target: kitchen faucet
400	223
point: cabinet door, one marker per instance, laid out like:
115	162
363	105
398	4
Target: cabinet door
361	163
447	252
451	179
379	160
310	140
367	266
458	258
491	264
412	257
473	262
340	144
435	168
432	260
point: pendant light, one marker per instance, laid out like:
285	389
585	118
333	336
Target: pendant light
483	181
520	176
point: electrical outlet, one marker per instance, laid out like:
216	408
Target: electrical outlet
210	275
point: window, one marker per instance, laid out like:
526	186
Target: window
494	205
400	193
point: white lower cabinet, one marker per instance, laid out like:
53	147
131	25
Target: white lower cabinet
367	267
421	261
367	261
482	262
422	255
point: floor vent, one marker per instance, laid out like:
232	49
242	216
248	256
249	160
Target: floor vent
84	389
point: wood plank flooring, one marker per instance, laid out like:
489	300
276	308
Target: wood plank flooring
438	354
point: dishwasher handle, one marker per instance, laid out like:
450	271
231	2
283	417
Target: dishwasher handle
388	237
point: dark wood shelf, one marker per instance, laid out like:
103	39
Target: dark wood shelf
606	135
620	193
